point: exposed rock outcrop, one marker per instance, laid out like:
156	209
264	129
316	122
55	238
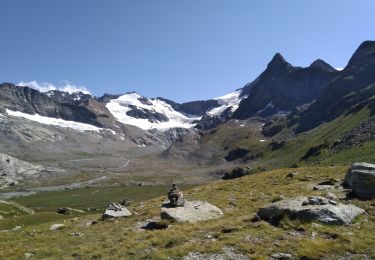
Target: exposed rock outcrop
192	211
236	173
310	209
13	170
361	179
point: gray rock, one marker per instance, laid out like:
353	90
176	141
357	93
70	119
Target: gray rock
13	170
361	179
55	227
281	256
310	209
292	174
28	255
192	211
331	196
227	254
116	210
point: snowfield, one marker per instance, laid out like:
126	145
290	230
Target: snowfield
55	121
232	99
118	108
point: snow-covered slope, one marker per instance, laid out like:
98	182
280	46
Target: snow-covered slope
232	99
150	113
55	121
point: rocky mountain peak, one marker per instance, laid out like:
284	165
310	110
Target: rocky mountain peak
278	61
321	64
365	51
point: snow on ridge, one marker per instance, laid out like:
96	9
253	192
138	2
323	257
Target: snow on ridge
232	99
55	121
46	86
118	108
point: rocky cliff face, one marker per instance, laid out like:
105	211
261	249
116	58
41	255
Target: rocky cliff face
283	87
353	90
31	101
198	108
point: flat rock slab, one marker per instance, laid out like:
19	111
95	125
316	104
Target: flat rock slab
296	208
361	179
192	211
115	210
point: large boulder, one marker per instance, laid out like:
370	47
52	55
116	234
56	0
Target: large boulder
310	209
192	211
116	210
361	179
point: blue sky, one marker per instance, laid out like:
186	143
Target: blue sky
179	49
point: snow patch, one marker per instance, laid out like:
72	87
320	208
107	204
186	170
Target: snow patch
262	140
55	121
46	86
232	99
118	108
269	105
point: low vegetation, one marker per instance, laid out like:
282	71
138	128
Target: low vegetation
238	198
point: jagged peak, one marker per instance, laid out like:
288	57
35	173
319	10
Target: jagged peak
278	61
321	64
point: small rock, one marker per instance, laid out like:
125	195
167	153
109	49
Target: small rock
316	225
125	202
332	202
63	211
281	256
28	255
292	174
56	227
322	187
331	196
77	234
16	228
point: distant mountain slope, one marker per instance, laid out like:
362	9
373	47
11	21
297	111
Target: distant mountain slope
31	101
352	91
283	87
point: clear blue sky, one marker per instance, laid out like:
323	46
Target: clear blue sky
178	49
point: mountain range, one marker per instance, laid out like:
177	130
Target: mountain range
281	104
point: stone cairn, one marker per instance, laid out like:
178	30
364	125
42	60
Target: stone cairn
175	196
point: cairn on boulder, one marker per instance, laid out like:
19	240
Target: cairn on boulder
115	210
360	178
175	196
177	209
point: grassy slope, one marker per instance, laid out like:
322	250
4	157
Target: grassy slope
239	200
328	133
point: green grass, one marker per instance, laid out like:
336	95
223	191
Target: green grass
328	133
239	199
8	210
45	204
90	197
